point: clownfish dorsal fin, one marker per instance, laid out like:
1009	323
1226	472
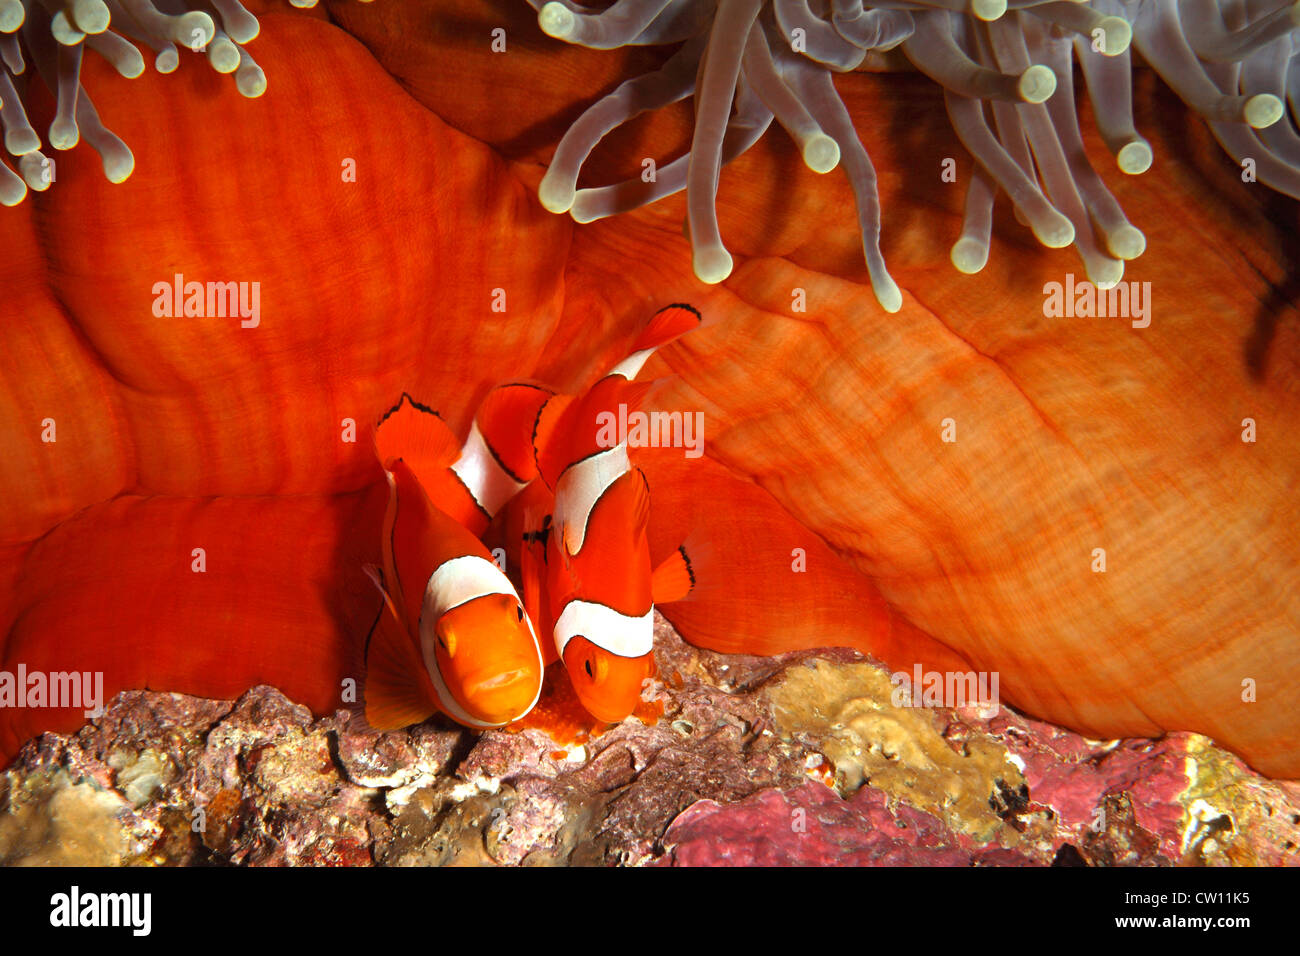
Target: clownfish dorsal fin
397	691
497	460
418	435
588	425
547	438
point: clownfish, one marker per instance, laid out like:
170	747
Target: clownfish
598	594
452	635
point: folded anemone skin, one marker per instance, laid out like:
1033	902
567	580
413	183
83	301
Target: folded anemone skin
1070	434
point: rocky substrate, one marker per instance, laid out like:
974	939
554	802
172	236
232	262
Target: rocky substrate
800	759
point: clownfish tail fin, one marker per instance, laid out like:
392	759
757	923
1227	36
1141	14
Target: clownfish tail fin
416	433
507	420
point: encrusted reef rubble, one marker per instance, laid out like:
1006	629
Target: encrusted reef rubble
801	759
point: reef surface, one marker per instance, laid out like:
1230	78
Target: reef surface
798	759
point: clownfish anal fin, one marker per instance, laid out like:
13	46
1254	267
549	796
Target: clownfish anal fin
417	434
397	692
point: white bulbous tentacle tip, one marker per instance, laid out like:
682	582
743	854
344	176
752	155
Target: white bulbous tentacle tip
1106	273
969	255
64	134
12	189
1117	34
250	80
20	142
1134	158
1126	242
556	20
554	195
223	54
1263	110
12	15
119	163
90	16
35	172
1037	84
167	60
888	294
712	265
821	154
988	10
1056	233
194	30
63	31
579	211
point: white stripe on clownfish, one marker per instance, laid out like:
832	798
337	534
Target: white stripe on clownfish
478	469
580	487
631	366
608	629
453	583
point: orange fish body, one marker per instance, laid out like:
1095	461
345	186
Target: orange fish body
598	577
452	635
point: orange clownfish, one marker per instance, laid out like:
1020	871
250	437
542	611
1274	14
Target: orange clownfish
599	592
452	635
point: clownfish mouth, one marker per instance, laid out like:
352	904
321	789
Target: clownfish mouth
502	696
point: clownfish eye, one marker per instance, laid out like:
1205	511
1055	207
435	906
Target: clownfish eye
587	667
519	609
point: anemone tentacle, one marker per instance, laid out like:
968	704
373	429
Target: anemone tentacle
1236	63
55	34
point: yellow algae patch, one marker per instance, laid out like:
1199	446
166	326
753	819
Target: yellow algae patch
846	712
48	820
1233	817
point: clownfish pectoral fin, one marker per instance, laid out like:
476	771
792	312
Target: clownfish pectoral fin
674	579
507	419
689	572
417	434
397	691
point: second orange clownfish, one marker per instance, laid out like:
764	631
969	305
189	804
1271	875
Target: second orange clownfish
452	635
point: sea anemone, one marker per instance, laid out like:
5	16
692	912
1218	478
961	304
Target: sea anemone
1006	67
54	34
